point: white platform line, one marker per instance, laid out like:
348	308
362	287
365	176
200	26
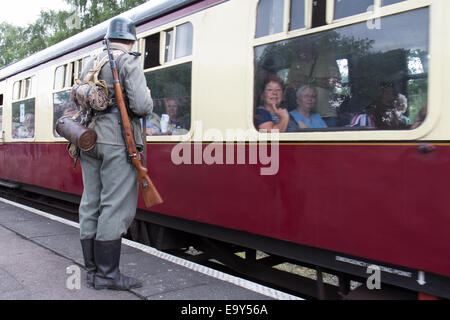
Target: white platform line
41	213
276	294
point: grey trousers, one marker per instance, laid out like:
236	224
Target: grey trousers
109	200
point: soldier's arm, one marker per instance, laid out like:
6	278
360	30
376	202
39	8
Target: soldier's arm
140	101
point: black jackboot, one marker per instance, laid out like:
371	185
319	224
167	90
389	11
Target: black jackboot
87	246
107	259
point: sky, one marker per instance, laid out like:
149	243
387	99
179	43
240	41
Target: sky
22	12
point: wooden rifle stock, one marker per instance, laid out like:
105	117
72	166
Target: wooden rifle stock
149	193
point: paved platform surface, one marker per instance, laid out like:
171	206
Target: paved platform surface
40	258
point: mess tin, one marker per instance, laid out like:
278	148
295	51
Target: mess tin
84	138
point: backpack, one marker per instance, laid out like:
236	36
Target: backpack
92	93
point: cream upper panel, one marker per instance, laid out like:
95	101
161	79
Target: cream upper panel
222	73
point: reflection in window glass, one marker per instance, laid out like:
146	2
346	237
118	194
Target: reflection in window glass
297	14
62	106
346	8
184	40
343	69
60	75
171	93
23	119
270	17
388	2
359	77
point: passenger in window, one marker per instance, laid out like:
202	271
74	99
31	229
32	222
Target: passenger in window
153	125
304	115
382	113
270	115
27	129
176	122
401	105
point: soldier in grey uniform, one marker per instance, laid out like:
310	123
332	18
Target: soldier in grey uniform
109	200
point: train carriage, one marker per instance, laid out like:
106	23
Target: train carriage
342	197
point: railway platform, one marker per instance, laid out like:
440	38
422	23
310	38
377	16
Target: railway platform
41	259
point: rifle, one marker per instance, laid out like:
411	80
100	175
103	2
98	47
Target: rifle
149	193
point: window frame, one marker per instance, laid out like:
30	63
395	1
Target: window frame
348	135
71	73
287	19
23	95
75	66
161	30
379	10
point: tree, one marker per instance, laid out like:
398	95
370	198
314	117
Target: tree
54	26
94	12
10	48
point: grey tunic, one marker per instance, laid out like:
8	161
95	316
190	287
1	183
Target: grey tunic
134	86
108	204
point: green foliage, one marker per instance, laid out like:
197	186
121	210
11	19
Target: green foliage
54	26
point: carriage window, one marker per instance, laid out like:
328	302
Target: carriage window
65	77
16	90
184	41
297	14
78	68
168	53
346	8
269	17
60	75
319	13
62	106
350	78
178	42
151	58
389	2
69	75
23	113
28	87
171	93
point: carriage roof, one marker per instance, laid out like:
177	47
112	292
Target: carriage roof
141	14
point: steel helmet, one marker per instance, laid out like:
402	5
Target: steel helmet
121	28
